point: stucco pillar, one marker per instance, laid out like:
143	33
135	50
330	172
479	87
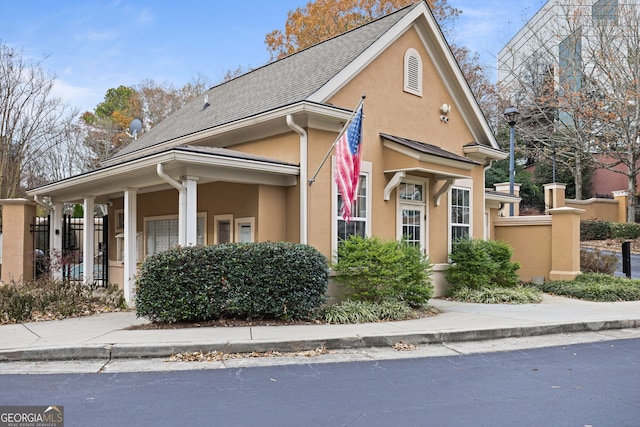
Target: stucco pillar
188	219
554	195
565	243
17	240
622	197
503	187
55	239
88	239
130	247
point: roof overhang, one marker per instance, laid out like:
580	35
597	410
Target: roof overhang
482	153
269	123
427	154
207	165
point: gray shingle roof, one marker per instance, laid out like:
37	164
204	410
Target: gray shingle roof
284	82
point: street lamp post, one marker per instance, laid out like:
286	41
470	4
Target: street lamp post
511	115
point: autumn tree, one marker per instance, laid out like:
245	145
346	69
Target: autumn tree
578	89
31	119
106	128
320	20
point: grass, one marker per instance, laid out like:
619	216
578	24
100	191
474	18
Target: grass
350	311
594	287
587	286
497	295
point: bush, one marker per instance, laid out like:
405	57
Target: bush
350	311
625	230
595	230
595	287
55	299
594	261
496	295
478	263
268	280
376	271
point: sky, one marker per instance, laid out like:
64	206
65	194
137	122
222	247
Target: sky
91	46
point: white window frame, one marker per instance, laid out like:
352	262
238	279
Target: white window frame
119	220
201	233
451	223
217	219
420	205
413	77
243	222
366	169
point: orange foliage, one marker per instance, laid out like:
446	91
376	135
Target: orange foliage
320	20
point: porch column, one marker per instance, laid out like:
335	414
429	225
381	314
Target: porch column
55	239
188	218
130	248
88	239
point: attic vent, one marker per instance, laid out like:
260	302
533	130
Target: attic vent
412	72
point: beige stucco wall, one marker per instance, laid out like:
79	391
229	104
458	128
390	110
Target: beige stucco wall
600	209
530	238
17	250
388	109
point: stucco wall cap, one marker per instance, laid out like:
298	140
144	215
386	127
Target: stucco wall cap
565	211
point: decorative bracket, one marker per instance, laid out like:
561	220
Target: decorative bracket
445	187
393	183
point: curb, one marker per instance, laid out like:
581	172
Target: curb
160	350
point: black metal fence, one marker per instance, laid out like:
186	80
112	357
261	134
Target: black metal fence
70	261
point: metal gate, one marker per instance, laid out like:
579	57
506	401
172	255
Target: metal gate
71	260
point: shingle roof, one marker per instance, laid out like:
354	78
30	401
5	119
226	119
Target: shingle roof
287	81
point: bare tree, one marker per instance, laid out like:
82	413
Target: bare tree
576	82
30	117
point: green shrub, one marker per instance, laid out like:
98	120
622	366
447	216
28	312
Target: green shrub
625	230
267	280
350	311
497	295
478	263
594	261
595	287
373	270
595	230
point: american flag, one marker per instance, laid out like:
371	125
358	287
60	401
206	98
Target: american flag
348	156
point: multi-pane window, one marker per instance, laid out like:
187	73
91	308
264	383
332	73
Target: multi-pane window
161	233
460	213
358	224
412	213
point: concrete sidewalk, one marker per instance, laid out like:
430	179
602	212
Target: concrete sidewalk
104	336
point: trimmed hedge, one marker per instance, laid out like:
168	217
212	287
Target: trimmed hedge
603	230
478	263
267	280
377	271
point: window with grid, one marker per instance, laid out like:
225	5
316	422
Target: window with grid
358	224
412	213
460	213
161	233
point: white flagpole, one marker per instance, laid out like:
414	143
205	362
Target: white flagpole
342	131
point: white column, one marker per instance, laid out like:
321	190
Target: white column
88	241
55	241
188	219
130	246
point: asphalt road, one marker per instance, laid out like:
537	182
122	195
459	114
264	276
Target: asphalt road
593	384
